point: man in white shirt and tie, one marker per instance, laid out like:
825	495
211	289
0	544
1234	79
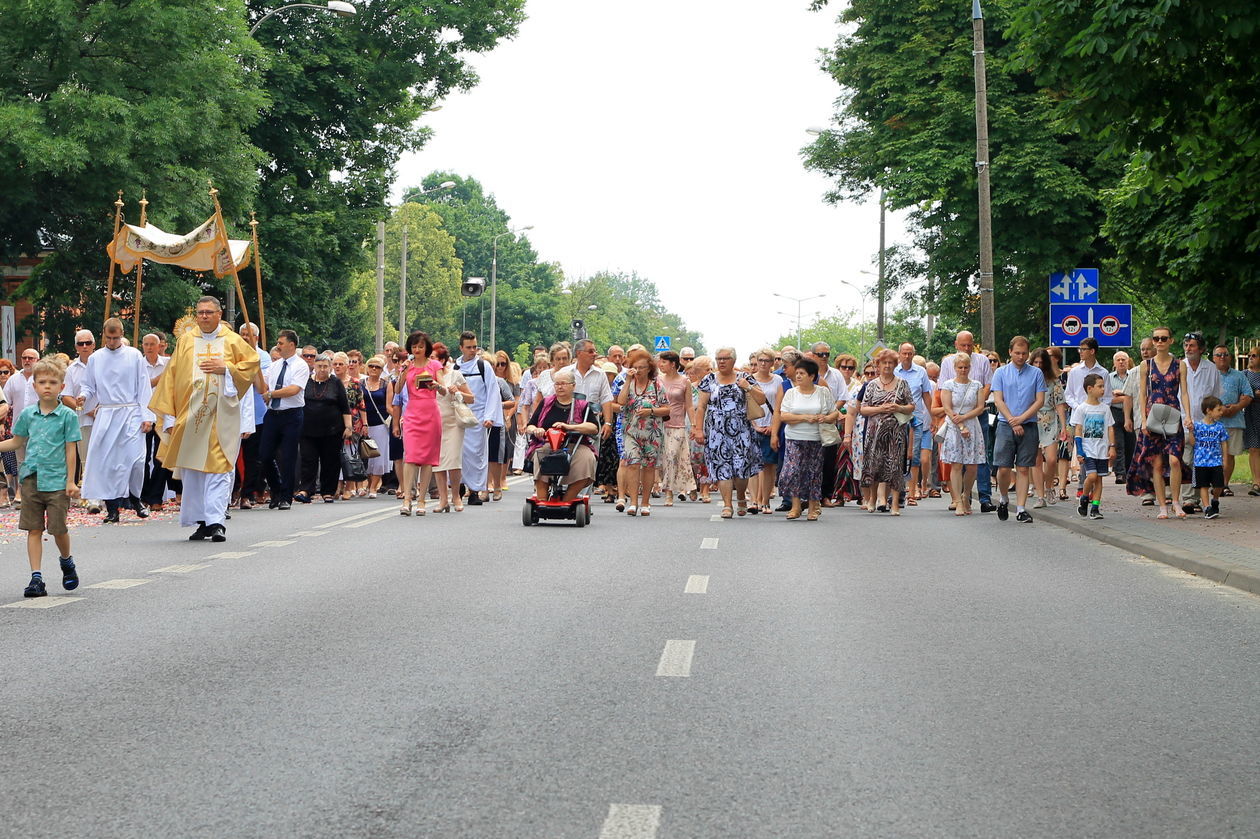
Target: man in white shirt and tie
282	430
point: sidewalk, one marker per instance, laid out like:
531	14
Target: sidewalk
1225	550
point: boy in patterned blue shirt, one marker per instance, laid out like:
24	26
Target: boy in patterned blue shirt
1209	460
49	431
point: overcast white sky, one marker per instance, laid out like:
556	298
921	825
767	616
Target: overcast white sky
664	137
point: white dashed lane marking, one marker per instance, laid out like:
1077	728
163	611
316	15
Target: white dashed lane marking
302	533
178	569
348	518
232	555
715	518
119	584
631	821
676	658
709	544
273	543
380	516
42	602
697	584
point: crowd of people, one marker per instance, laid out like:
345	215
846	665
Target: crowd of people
223	424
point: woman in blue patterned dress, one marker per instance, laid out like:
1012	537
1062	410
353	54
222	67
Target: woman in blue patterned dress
729	449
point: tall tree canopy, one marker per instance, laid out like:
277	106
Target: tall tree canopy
303	123
98	97
347	96
528	290
906	125
1170	87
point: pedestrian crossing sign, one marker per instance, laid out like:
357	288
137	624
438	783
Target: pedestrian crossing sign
661	342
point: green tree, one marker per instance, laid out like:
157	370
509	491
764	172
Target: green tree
102	96
627	310
433	277
1170	88
528	289
906	126
347	97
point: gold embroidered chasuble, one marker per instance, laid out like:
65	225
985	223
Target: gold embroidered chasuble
207	432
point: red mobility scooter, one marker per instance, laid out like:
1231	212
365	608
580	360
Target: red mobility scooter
553	468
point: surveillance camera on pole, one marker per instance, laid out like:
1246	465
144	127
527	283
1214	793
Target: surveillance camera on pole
473	286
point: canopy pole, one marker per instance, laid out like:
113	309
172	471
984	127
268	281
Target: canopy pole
135	326
227	248
262	311
109	284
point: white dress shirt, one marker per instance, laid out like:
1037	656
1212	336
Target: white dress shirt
296	372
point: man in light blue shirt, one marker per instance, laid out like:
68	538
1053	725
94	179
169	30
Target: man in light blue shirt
1019	390
1235	397
916	378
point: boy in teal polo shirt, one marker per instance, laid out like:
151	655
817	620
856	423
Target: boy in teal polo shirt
49	431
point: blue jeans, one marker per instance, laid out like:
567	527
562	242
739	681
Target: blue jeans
278	452
984	485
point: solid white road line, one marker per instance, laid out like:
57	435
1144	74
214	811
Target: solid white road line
697	584
709	544
42	602
119	584
273	543
348	518
631	821
232	555
178	569
676	658
390	513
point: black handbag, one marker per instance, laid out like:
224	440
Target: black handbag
352	466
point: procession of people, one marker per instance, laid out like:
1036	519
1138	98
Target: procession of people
222	424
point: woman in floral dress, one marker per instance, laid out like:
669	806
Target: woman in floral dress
729	449
675	465
358	416
644	408
884	447
963	444
1162	381
700	367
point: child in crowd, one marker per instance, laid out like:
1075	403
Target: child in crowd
49	430
1209	472
1095	443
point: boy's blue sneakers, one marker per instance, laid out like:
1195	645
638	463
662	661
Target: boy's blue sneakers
69	576
35	589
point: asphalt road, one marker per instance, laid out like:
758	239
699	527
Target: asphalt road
463	676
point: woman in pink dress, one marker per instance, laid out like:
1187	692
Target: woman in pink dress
418	421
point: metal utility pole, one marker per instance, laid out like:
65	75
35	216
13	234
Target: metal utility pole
402	291
380	286
988	335
879	310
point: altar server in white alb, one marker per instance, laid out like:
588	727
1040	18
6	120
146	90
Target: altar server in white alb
117	381
487	407
199	399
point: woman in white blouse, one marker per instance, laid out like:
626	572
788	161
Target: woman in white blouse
802	409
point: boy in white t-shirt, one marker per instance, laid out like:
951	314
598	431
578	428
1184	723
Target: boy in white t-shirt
1095	443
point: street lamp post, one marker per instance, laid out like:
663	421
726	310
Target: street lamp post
494	281
337	7
798	301
862	295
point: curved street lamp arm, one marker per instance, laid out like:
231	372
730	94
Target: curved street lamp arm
254	28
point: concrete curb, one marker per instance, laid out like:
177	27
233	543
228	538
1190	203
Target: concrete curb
1201	565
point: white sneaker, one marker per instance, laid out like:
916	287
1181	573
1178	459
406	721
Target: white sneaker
1041	502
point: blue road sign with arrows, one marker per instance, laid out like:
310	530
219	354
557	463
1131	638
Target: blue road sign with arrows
1110	323
661	342
1078	286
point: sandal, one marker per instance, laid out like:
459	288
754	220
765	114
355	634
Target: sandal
1227	493
743	506
1255	490
727	513
935	493
912	502
645	510
1063	495
1163	514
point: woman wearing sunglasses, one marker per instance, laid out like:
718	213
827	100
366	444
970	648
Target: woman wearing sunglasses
1161	381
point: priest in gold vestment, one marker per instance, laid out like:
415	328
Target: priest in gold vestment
198	398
